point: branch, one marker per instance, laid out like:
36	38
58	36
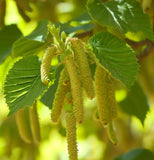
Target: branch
2	12
148	50
136	45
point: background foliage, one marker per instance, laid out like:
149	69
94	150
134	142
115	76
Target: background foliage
119	33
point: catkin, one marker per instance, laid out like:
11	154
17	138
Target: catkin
46	61
105	95
71	136
34	123
75	88
63	88
68	98
111	133
82	61
23	126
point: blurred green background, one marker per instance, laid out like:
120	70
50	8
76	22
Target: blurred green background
93	143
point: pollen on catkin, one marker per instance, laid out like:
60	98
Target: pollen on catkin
63	88
75	88
68	98
105	95
82	61
34	123
46	61
111	133
71	136
23	126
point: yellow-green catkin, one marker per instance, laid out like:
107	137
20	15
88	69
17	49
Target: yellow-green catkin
71	136
63	88
68	98
96	116
111	133
105	95
82	61
34	123
23	126
75	88
46	61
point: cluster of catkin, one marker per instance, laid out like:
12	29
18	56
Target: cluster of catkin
76	76
28	124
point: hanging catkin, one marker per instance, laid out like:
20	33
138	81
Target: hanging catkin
46	61
23	125
34	123
63	88
68	98
71	136
82	61
111	133
105	95
75	88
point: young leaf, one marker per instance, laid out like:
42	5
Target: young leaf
137	154
32	43
126	15
136	103
23	83
8	35
116	56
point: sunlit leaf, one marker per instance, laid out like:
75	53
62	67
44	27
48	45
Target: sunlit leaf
41	32
32	43
116	56
25	46
23	83
126	15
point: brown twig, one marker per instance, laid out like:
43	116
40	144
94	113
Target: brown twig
85	34
146	52
2	13
136	45
22	13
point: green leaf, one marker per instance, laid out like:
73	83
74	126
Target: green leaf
23	83
83	22
126	15
32	43
24	46
8	35
41	32
49	96
68	28
116	56
137	154
136	103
